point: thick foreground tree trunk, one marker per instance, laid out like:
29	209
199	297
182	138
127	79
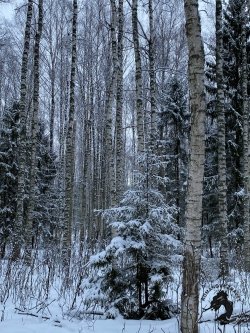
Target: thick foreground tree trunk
191	265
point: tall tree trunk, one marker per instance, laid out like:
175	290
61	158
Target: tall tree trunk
246	133
69	155
120	178
192	251
152	77
222	184
17	239
34	132
138	78
153	137
108	167
52	109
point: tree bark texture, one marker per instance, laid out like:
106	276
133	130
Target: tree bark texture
120	151
69	154
34	132
222	183
152	77
246	133
138	78
192	251
108	167
17	239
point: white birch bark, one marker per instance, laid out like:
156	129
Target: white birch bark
34	131
17	239
138	78
192	251
152	77
108	168
69	154
120	163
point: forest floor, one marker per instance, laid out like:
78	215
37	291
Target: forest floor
27	306
14	322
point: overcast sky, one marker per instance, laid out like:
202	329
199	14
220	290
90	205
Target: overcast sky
7	10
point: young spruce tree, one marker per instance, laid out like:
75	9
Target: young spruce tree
129	274
8	175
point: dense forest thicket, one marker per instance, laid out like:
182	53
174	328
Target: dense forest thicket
124	149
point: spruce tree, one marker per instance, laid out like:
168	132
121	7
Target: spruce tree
233	94
45	215
45	211
232	42
130	273
8	174
173	142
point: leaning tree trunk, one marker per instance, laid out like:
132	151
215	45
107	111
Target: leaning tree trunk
222	184
69	155
192	251
17	237
138	78
246	142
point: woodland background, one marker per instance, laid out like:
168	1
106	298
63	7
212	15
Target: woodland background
95	144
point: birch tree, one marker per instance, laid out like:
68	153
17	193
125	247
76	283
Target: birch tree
34	131
69	154
109	171
120	162
22	137
138	78
152	76
192	251
52	32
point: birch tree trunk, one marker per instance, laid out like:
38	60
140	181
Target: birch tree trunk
51	35
222	184
17	239
138	78
34	131
52	108
246	141
192	251
151	50
108	130
120	163
108	168
69	154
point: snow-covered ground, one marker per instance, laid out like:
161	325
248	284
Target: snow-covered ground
47	312
15	323
21	323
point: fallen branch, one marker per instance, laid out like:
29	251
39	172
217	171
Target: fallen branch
22	312
243	317
95	313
